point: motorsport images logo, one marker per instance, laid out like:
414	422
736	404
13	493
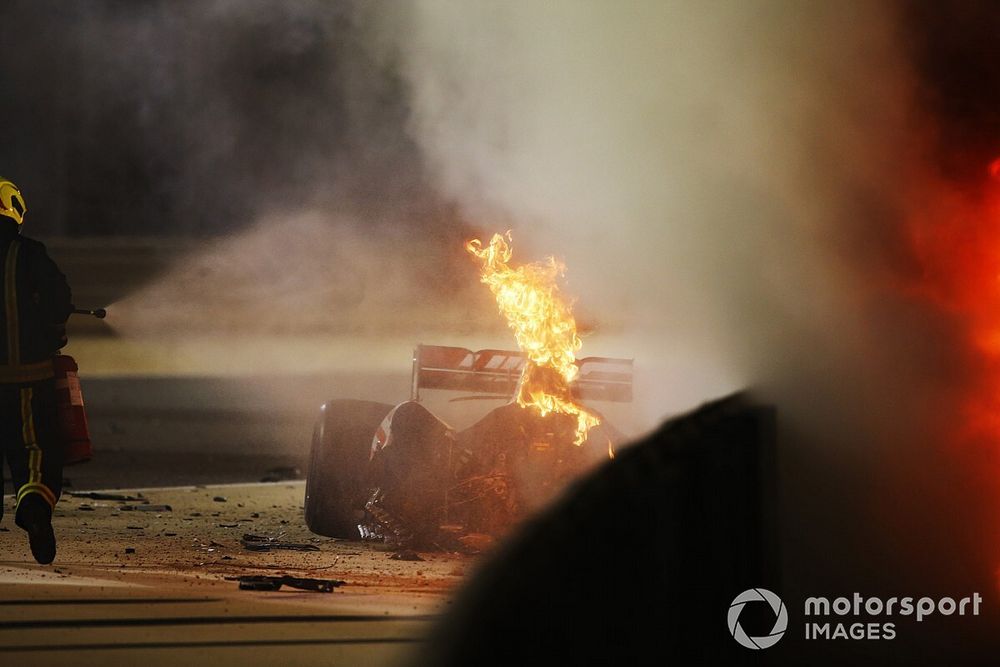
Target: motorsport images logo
780	618
858	617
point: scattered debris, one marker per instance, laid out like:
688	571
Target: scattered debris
228	525
136	527
261	582
97	495
130	550
85	508
253	542
147	508
406	555
170	534
282	474
220	499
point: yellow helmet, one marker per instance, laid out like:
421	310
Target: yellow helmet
11	201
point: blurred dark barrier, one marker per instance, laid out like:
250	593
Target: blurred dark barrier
640	561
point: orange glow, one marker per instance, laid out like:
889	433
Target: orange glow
957	247
543	324
994	169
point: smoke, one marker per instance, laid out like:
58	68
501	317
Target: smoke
308	274
707	172
197	119
729	185
269	131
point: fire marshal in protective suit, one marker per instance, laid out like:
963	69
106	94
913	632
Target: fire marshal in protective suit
36	304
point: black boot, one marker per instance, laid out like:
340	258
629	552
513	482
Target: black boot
35	516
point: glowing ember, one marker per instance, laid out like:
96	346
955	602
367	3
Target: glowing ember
543	324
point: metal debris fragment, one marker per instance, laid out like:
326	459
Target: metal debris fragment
261	582
253	542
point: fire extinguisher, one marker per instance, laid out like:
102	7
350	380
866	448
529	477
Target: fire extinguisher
70	412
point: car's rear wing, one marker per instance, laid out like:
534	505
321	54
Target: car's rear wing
497	372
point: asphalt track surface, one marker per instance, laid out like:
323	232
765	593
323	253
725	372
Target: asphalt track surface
131	587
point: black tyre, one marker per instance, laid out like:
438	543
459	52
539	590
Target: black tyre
335	481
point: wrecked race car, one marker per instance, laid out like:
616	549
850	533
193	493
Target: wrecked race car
402	475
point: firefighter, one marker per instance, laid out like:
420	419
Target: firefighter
36	305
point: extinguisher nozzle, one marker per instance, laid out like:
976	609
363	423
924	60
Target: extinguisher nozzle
99	313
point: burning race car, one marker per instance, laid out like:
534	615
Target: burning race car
403	475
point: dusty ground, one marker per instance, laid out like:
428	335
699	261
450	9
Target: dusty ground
201	534
175	563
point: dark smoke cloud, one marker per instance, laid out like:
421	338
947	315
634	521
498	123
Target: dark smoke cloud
955	52
267	126
166	118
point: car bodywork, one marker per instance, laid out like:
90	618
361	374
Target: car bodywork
401	474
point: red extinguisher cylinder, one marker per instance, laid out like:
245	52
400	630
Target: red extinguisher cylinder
71	415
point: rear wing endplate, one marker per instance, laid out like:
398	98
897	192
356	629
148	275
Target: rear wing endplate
497	372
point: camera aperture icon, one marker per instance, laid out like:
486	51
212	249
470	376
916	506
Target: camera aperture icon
780	618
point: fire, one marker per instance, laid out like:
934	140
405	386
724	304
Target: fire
543	324
958	253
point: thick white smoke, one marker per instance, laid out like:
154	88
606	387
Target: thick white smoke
704	168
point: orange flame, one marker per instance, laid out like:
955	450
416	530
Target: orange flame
543	324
